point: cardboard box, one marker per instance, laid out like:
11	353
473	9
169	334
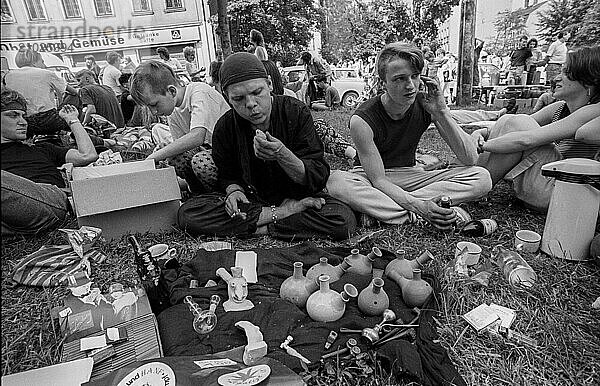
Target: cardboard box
139	201
83	173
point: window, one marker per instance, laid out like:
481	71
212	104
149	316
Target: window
72	9
7	14
103	7
35	10
174	5
141	6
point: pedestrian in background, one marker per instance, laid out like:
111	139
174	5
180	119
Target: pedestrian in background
258	41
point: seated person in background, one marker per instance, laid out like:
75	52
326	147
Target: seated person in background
517	146
332	141
33	199
192	111
546	98
98	99
385	184
270	166
332	96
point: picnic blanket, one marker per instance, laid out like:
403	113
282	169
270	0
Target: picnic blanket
425	361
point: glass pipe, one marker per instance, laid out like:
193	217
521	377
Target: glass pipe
204	321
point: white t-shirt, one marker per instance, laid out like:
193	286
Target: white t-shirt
557	52
110	78
39	86
202	106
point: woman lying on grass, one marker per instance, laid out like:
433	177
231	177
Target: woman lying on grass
517	146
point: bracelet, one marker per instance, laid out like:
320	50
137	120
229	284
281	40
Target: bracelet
278	149
274	214
73	121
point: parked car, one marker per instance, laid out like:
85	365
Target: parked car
345	80
52	62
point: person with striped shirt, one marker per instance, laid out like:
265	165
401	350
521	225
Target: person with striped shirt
517	146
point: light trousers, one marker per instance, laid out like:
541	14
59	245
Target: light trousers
461	184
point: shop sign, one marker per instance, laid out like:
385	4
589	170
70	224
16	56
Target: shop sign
103	42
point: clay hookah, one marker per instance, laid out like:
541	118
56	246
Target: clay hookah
204	321
402	266
361	264
237	290
324	268
326	305
297	288
415	291
373	300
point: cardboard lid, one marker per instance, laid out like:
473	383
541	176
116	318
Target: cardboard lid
124	191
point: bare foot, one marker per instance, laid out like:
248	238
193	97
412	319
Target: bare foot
290	206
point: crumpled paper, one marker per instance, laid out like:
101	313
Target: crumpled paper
108	157
478	274
82	240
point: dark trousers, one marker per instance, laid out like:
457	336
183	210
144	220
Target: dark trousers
206	214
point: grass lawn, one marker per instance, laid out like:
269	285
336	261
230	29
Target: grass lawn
556	312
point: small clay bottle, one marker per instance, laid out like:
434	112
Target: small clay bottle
400	265
373	300
297	288
326	305
361	264
415	291
323	268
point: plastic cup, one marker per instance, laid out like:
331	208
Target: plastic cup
472	254
528	241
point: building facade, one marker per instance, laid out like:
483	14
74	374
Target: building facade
73	29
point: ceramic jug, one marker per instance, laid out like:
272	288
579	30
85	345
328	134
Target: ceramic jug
326	305
323	268
361	264
415	291
373	300
297	288
404	267
339	271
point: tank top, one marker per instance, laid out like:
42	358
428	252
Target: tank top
570	147
395	139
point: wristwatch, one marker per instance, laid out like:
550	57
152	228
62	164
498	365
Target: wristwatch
72	121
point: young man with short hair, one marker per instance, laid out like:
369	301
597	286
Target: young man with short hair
98	99
192	111
33	197
385	184
270	166
332	95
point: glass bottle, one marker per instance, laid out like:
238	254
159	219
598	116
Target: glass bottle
477	228
204	321
146	265
515	269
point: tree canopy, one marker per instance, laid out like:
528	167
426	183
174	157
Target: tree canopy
286	25
580	17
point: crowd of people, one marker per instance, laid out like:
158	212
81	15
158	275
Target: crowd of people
252	156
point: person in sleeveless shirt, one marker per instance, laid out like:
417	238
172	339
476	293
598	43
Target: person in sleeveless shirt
517	146
385	183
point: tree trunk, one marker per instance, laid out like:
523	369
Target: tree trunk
223	28
466	52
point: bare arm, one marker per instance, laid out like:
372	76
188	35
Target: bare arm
270	148
85	152
564	128
589	132
91	109
460	142
189	141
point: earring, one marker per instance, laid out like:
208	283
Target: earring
589	92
